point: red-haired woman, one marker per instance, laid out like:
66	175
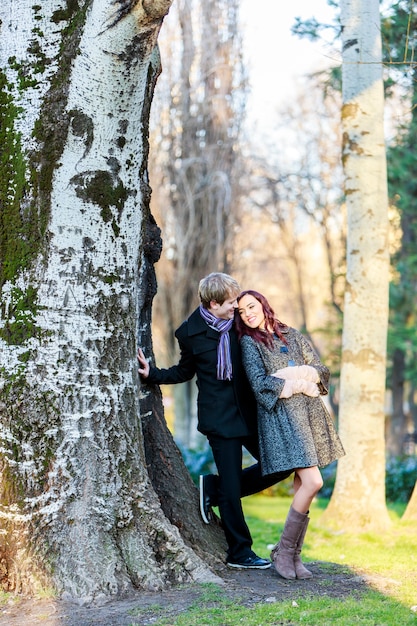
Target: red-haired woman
295	429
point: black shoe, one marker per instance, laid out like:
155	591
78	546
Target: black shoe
205	504
251	562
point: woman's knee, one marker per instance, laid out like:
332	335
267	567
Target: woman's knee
316	480
311	480
318	484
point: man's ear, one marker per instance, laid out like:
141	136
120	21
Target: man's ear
214	305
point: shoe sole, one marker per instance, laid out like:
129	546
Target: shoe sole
237	566
202	512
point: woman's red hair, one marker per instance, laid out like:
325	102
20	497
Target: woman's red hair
271	322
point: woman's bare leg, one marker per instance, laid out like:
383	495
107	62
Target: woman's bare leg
307	483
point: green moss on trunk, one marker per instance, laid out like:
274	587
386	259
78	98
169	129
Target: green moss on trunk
21	315
26	179
15	245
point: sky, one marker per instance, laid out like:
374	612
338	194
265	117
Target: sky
276	58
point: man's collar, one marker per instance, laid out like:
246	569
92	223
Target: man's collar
197	325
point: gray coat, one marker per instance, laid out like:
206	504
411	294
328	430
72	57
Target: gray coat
294	432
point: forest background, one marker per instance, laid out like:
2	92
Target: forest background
272	180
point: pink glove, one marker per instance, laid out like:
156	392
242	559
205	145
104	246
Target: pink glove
299	386
307	372
287	373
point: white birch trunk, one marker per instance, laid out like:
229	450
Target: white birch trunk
78	512
359	495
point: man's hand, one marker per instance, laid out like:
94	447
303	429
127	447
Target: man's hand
144	365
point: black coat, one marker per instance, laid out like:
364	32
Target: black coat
225	408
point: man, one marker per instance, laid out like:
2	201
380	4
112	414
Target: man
226	411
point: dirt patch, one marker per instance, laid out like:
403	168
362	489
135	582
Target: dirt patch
246	588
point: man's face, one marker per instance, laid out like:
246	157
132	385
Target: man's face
225	311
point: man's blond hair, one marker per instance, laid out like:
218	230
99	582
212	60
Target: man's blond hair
218	287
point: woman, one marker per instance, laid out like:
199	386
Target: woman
295	429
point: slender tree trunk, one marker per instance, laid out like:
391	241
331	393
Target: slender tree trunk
200	196
410	513
397	425
358	500
78	511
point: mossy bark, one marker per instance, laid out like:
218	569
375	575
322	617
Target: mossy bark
78	511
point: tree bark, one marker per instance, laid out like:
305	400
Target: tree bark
358	499
410	513
175	489
397	425
78	511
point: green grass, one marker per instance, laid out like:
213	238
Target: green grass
391	555
387	561
370	610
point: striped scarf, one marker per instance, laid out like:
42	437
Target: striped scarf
224	360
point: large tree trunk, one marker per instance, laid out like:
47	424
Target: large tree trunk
359	497
78	511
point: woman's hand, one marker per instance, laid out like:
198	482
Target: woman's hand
144	365
305	372
287	373
308	372
299	386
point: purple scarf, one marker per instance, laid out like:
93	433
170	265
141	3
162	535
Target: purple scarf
224	360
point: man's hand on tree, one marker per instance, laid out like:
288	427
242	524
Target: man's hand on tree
144	365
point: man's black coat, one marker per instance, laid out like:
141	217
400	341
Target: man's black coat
225	408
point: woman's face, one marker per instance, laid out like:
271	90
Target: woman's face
251	312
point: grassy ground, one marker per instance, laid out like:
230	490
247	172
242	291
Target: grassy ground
392	555
388	564
359	579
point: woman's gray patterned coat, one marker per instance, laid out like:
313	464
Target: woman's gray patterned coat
294	432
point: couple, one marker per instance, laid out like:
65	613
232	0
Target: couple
258	386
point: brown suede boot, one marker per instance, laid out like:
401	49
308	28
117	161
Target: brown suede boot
283	553
300	570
